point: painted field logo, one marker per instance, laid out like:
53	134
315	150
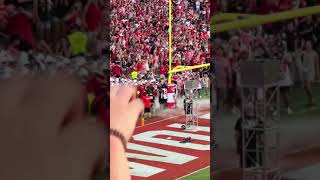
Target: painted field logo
156	152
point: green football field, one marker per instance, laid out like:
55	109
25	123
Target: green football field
298	102
200	175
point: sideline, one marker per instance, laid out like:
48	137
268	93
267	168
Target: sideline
165	119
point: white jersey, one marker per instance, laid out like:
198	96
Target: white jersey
164	94
198	4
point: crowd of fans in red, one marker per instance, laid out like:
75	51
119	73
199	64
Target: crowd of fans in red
48	36
295	43
140	43
191	32
139	35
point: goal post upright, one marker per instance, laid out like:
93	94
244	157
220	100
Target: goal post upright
170	41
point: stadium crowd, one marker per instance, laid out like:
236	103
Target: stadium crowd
139	47
295	43
48	36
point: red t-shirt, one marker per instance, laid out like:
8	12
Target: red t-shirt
146	101
163	70
176	63
93	17
139	67
21	26
140	90
204	54
116	70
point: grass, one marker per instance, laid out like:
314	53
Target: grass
298	101
201	175
204	95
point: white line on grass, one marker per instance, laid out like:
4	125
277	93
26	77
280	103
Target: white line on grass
193	172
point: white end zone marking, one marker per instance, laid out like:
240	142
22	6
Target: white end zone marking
206	116
142	170
160	155
149	136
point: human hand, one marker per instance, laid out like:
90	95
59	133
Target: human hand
44	133
125	109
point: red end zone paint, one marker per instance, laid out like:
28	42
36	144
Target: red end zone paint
155	152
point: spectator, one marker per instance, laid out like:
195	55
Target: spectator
222	75
20	25
43	13
61	9
63	48
92	21
3	14
78	41
286	81
309	58
92	15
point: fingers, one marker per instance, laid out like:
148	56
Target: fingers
136	107
55	100
127	93
123	93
